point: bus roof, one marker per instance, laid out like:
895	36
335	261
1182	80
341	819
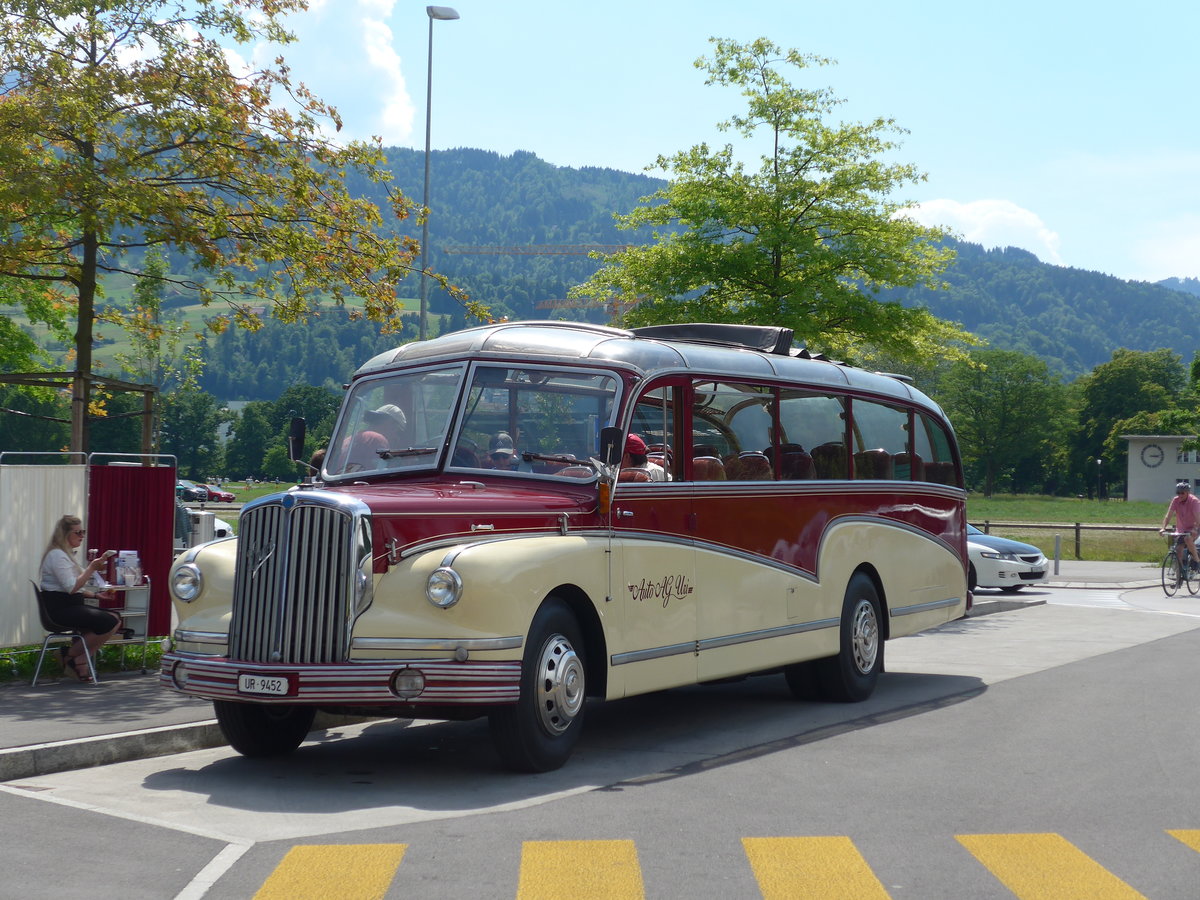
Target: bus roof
735	351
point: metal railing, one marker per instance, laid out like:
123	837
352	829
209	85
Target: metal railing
1076	527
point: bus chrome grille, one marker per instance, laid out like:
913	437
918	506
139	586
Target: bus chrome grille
292	593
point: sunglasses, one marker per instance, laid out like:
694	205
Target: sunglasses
79	533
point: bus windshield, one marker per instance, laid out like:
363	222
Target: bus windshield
395	422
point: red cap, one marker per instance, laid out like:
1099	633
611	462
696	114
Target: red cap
634	444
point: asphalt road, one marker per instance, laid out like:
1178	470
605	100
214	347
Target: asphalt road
1047	752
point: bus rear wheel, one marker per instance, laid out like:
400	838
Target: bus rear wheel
850	677
259	730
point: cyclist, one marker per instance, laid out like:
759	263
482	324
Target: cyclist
1186	508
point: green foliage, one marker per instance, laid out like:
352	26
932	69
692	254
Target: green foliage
191	420
1131	383
807	240
124	127
1006	407
1071	318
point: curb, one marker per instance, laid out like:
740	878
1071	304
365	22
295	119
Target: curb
102	750
84	753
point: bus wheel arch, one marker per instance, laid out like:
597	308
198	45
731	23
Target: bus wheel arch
595	647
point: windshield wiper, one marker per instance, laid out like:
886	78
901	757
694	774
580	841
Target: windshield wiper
529	456
407	451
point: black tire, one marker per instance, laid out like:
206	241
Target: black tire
1193	580
1171	575
972	580
539	732
850	677
260	729
802	680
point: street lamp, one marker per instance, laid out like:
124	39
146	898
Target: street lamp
445	13
1099	473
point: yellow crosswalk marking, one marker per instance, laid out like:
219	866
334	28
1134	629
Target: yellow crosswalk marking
1189	836
581	870
1045	867
346	871
820	868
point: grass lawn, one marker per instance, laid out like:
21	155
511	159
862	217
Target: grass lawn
1133	546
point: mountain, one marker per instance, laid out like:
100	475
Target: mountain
1187	285
486	205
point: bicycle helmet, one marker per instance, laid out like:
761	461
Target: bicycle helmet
1182	488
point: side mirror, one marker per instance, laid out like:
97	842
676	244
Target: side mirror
612	445
296	439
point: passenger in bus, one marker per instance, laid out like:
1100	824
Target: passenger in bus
635	457
501	451
385	428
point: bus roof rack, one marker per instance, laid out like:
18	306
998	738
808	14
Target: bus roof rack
764	338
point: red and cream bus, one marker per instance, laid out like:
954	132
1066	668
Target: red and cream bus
478	541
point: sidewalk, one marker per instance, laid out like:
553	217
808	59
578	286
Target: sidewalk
61	725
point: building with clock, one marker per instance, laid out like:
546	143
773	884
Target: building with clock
1157	462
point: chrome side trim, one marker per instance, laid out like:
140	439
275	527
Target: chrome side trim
202	637
768	633
746	637
440	644
925	607
620	659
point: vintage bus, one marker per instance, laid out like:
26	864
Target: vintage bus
512	519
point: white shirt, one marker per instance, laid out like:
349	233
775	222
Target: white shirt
60	571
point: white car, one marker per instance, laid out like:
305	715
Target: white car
997	562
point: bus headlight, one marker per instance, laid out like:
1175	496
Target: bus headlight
187	582
444	587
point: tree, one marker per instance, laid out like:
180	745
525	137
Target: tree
1003	405
125	126
190	426
1132	382
251	435
806	241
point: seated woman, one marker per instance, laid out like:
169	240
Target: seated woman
65	585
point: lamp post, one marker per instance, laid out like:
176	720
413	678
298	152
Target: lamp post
1099	473
444	13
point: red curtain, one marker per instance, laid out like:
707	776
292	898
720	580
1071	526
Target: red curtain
133	508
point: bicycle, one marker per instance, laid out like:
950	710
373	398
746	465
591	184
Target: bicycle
1177	566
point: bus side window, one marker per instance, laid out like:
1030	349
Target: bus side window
933	446
812	440
654	421
880	434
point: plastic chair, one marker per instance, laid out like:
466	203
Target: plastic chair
56	632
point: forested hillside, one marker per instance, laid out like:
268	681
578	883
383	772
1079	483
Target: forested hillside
1072	318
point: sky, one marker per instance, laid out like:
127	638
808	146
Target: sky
1066	128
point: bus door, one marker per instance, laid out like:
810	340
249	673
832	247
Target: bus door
741	523
654	572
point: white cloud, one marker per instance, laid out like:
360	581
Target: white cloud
992	223
345	53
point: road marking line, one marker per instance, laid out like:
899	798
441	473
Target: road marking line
581	870
1045	867
320	871
811	868
1189	836
213	872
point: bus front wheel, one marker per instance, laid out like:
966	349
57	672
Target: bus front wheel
258	730
540	730
850	676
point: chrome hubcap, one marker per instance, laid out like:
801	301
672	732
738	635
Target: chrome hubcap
560	685
864	636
